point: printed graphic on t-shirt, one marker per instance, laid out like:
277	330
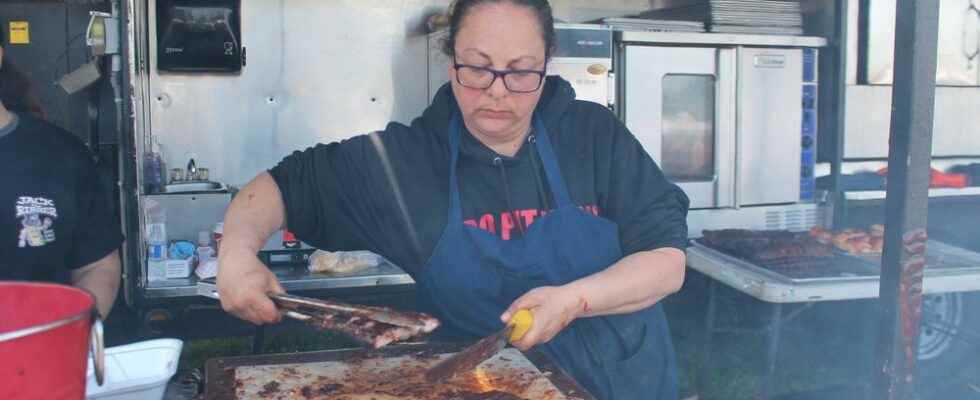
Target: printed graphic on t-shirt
37	216
505	223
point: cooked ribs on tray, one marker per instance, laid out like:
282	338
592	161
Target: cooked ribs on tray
770	248
852	240
372	333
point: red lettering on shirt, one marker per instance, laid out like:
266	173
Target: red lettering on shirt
510	219
487	223
506	225
528	216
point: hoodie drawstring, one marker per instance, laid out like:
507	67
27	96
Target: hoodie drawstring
542	197
499	162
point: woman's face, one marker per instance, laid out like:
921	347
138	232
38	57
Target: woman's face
500	36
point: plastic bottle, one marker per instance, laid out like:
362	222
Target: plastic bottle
204	249
156	240
153	169
216	235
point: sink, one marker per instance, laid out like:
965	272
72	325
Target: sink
193	186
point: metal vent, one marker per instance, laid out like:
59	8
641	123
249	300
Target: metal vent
793	220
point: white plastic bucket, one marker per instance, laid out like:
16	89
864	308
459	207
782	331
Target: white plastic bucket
137	371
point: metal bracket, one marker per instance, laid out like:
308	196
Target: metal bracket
102	34
971	55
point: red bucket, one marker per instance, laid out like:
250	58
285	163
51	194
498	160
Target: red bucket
45	335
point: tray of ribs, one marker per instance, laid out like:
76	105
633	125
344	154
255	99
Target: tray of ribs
867	244
395	372
792	256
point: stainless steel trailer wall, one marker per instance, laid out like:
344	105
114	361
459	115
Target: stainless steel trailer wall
870	44
316	71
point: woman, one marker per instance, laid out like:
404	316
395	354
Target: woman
506	193
57	223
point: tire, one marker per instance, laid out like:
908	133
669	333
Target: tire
950	333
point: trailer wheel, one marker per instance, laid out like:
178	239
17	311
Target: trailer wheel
950	332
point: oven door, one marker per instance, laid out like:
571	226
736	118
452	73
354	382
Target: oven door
769	121
679	102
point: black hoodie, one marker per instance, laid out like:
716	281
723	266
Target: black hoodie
388	191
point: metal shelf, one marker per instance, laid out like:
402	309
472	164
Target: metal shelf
291	279
933	193
721	38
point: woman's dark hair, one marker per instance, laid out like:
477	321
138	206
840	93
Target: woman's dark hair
16	91
542	10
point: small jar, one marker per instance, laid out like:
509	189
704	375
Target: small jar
202	174
176	175
204	238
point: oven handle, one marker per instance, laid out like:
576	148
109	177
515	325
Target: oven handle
726	134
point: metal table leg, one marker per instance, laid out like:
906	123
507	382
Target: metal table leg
709	330
775	326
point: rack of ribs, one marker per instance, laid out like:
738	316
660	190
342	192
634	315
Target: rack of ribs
775	247
375	327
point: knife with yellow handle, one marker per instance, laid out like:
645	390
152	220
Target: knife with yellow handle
482	350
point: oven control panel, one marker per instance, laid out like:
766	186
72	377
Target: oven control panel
809	128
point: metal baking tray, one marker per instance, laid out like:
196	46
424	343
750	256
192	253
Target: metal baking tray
840	268
941	260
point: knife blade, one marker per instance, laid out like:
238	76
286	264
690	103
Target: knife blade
482	350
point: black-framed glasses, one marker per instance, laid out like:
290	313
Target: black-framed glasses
515	80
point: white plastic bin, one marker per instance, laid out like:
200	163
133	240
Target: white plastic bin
136	371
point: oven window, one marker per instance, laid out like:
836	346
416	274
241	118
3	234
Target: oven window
687	123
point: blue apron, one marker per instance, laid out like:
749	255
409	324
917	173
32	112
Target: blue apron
472	277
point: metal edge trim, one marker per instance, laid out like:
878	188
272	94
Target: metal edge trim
4	337
206	289
933	193
97	349
722	39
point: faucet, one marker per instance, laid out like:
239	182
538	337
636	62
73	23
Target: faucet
191	170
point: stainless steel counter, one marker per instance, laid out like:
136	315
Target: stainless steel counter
292	279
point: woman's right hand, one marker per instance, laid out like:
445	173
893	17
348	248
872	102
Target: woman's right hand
243	286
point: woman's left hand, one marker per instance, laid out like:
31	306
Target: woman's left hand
553	307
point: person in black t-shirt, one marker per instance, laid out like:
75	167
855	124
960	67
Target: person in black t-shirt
56	223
